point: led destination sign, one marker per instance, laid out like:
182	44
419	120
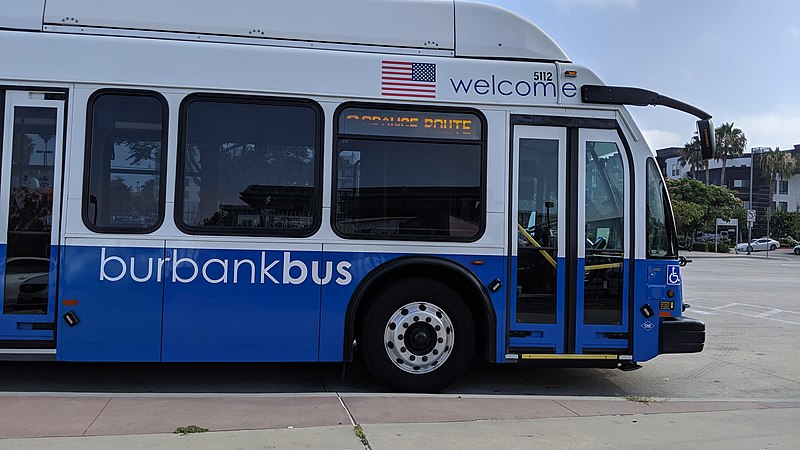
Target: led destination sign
418	124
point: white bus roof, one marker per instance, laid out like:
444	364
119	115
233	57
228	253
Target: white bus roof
460	28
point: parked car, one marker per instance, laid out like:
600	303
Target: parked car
20	270
33	294
797	249
757	245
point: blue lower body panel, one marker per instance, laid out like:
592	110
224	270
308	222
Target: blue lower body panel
243	306
197	305
119	317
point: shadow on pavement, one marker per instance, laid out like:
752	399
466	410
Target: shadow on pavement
259	378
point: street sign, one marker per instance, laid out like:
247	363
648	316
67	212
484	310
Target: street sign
751	215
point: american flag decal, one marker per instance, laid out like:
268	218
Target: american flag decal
407	79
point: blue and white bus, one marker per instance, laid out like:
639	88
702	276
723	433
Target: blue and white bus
413	182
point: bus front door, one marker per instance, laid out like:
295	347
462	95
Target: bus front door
30	186
570	242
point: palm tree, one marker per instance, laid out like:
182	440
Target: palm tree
776	163
690	154
730	144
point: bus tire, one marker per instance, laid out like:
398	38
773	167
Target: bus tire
418	335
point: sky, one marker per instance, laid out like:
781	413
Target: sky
738	60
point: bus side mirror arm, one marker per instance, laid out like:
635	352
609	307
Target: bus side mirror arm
621	95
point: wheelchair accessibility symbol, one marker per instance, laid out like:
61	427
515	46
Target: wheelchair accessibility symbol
673	276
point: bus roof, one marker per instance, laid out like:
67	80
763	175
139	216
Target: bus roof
455	27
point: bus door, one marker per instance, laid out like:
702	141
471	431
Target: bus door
30	186
570	242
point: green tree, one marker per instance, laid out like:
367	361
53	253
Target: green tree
786	223
697	206
730	144
690	155
688	217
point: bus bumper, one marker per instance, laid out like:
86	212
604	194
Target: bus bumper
681	335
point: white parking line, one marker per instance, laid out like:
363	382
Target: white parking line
770	309
768	315
725	306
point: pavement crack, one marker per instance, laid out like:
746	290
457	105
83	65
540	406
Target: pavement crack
566	407
347	410
97	416
357	430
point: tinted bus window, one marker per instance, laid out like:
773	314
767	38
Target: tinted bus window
409	175
126	162
249	166
661	241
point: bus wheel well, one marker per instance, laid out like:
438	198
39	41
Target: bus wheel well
456	277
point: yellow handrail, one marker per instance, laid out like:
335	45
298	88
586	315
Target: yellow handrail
530	239
603	266
550	259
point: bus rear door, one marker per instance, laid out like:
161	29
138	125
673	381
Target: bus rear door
30	186
570	246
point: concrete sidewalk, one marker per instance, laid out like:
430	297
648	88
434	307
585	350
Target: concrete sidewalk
326	420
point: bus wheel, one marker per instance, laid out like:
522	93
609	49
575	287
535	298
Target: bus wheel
418	335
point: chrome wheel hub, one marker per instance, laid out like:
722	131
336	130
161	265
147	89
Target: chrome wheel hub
418	337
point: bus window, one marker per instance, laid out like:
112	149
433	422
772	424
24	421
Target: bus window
605	233
30	210
126	162
249	166
409	175
660	241
537	271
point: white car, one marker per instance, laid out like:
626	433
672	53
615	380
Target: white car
21	269
797	249
757	245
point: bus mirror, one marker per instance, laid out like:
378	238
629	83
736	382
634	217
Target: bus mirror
705	130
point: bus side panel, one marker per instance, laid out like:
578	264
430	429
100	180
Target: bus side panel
662	283
243	305
650	287
336	297
119	318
